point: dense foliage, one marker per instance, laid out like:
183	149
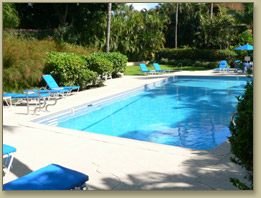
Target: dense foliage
197	29
188	62
83	70
117	59
24	60
137	34
241	139
196	54
69	69
101	65
10	15
215	32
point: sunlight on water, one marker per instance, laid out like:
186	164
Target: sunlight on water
192	112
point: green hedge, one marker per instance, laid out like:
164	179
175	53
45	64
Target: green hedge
69	69
118	60
99	64
197	54
75	69
189	62
241	139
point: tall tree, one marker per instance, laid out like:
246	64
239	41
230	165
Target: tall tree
108	28
215	33
176	27
138	34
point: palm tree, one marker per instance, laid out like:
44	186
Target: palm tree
176	27
108	28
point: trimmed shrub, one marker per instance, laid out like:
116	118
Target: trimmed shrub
118	60
69	69
101	65
241	139
197	54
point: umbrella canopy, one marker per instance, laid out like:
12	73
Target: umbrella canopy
244	47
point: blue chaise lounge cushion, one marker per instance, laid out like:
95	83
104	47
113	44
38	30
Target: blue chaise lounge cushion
8	149
51	177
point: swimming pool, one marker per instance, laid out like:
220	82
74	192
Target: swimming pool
191	112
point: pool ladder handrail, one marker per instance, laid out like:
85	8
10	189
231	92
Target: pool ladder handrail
232	118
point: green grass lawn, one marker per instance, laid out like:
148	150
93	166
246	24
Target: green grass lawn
135	70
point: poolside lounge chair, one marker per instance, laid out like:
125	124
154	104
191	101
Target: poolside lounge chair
158	69
8	153
29	96
237	66
222	66
54	86
8	100
144	69
51	177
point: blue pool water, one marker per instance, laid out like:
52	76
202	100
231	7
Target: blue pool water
191	112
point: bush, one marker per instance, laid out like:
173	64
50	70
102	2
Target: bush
69	69
241	139
196	54
24	60
99	64
118	60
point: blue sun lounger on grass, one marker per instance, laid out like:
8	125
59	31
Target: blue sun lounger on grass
144	69
51	177
158	69
53	85
8	153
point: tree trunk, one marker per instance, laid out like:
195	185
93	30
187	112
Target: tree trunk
108	28
176	27
211	13
211	10
62	16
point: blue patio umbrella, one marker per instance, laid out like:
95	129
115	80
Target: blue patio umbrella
245	47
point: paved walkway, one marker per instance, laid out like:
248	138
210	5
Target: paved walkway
115	163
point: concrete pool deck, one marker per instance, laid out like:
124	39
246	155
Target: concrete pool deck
115	163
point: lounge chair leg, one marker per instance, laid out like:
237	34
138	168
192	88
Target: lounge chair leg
9	166
86	186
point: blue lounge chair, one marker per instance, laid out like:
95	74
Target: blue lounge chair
8	100
158	69
222	66
54	86
144	69
237	66
51	177
8	153
29	96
